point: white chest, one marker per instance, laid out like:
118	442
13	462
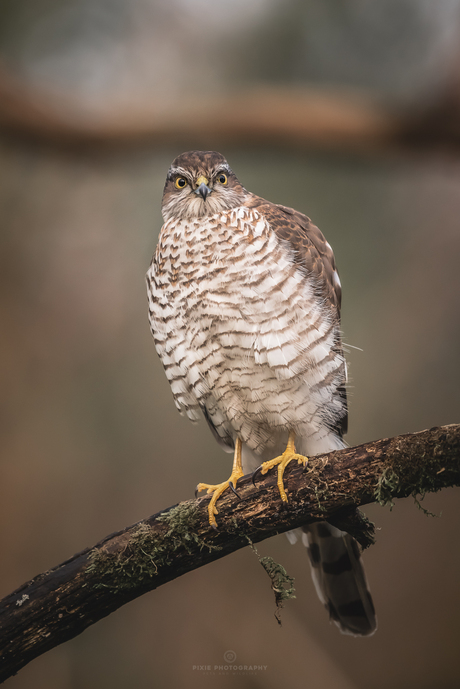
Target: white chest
236	322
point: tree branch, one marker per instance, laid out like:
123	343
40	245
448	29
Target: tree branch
332	119
59	604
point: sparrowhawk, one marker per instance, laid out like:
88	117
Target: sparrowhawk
244	305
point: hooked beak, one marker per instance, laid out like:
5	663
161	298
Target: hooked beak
202	187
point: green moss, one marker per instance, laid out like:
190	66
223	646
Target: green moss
386	488
182	521
423	509
282	584
130	567
398	480
317	483
146	551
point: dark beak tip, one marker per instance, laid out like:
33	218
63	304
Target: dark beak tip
203	190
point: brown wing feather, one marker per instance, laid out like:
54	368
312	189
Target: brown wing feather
310	247
314	254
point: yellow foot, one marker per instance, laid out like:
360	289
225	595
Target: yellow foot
281	462
219	488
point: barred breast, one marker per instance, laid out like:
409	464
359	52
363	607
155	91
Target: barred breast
243	334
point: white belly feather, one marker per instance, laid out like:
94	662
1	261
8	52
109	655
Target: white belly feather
241	332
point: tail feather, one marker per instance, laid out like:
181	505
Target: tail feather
339	578
337	571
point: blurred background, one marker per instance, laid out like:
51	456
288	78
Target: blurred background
347	110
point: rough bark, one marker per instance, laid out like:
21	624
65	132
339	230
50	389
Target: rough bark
60	603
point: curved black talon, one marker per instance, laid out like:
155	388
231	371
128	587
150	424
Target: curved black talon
230	485
255	474
196	493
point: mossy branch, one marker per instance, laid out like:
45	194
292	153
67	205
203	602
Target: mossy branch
60	603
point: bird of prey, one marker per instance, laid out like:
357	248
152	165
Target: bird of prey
244	306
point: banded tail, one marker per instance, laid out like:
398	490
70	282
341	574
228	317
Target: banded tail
339	578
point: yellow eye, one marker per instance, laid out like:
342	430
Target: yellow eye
181	182
222	178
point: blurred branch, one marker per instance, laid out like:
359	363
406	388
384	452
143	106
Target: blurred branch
60	603
334	119
438	123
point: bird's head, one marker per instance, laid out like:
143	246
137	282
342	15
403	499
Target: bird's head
199	184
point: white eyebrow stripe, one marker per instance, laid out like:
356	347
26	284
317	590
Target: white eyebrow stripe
178	171
223	166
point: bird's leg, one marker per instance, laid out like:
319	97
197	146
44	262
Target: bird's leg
217	490
281	462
